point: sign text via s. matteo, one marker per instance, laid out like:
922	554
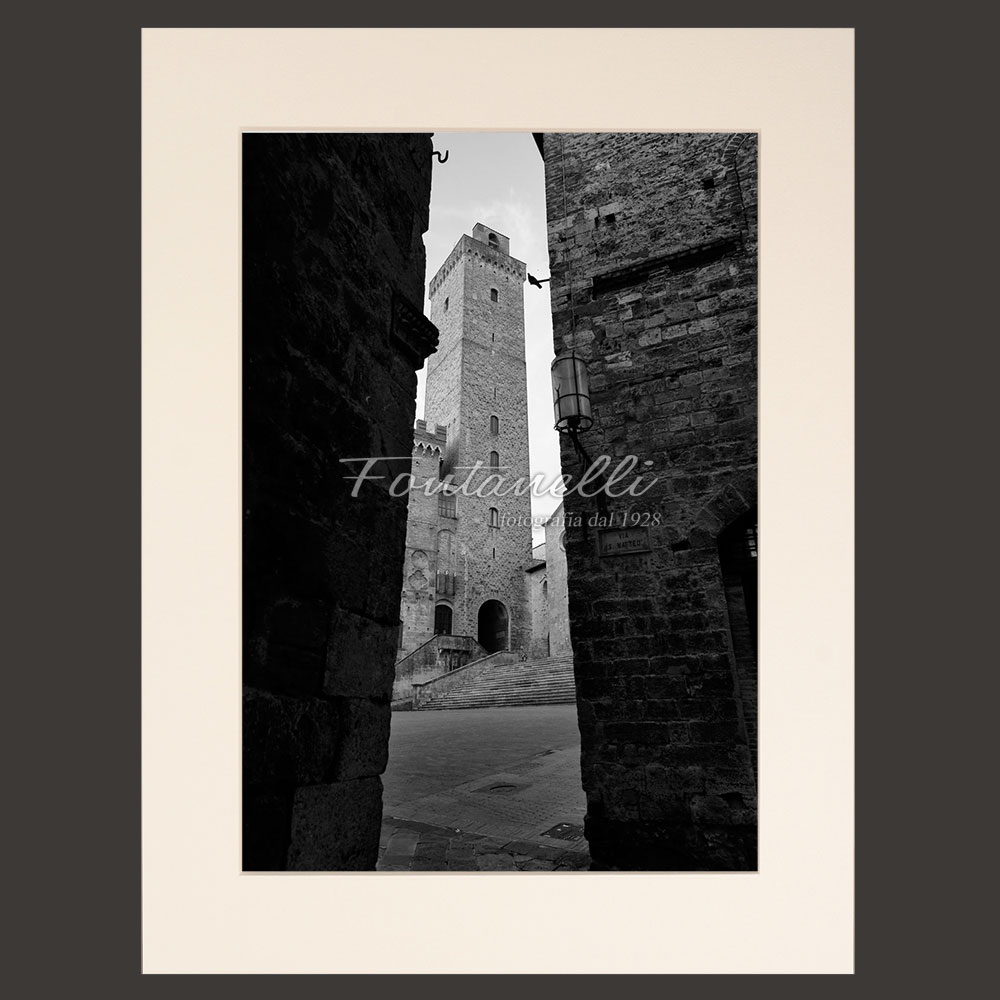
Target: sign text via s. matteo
622	541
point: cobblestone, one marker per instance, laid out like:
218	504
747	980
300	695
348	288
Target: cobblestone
411	846
449	808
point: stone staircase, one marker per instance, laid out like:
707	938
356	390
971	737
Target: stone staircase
547	681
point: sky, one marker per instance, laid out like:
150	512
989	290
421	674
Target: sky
498	179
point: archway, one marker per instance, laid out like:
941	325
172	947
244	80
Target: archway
493	624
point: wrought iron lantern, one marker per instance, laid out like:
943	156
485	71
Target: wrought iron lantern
571	394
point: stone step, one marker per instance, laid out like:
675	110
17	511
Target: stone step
533	682
504	689
510	685
487	702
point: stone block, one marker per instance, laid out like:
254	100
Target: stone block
335	827
287	741
364	738
359	656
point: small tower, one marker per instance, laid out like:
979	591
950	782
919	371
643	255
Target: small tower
477	391
421	585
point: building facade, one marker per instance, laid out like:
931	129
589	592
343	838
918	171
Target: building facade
653	252
467	550
548	591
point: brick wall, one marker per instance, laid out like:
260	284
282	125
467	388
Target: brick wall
333	272
652	242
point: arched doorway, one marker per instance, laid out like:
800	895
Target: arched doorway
493	625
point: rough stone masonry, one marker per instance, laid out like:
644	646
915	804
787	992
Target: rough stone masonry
333	274
653	250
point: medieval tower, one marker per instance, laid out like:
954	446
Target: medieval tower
466	555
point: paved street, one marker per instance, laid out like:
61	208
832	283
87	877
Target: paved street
484	789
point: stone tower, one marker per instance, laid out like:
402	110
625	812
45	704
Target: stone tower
476	393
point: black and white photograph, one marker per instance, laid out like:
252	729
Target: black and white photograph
499	417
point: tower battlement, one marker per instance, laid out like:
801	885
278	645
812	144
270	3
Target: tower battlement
430	435
473	249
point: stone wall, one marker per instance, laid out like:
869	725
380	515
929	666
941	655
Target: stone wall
333	272
439	655
538	588
557	591
653	249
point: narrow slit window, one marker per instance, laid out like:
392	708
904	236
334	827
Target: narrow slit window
494	460
494	295
494	518
494	424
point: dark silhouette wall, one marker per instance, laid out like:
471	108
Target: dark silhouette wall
333	273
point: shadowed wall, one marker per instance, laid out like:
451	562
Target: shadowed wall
333	272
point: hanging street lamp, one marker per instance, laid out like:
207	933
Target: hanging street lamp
571	394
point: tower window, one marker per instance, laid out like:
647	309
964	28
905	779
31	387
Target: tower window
494	517
442	620
447	506
494	460
494	242
494	425
494	295
446	305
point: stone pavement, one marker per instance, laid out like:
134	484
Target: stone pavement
486	789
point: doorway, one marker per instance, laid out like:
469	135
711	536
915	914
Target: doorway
493	623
